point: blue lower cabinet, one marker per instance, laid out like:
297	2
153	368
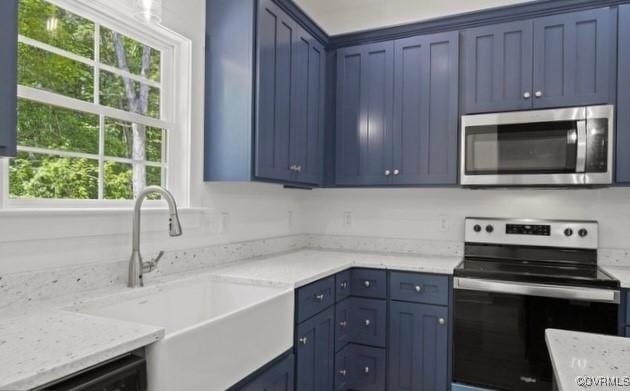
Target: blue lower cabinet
418	347
362	321
343	323
342	285
627	331
360	368
278	376
315	342
368	283
314	298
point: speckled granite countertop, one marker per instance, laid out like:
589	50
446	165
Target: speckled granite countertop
580	360
620	273
53	341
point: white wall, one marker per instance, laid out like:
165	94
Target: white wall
343	16
417	213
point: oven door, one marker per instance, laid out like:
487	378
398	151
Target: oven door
545	147
499	336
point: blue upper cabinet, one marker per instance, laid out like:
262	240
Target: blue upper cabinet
553	61
623	99
497	67
365	90
8	76
425	110
265	89
572	58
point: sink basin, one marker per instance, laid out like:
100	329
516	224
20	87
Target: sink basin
217	332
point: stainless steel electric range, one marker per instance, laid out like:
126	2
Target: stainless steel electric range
518	278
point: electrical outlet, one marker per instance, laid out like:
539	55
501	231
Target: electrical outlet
347	219
444	223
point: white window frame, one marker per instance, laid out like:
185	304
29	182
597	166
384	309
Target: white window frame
175	81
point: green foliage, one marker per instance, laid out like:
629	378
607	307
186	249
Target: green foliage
44	126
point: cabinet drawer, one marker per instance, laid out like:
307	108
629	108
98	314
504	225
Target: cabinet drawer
315	298
362	321
419	288
360	368
342	285
368	283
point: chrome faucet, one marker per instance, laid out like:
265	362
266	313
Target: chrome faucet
136	267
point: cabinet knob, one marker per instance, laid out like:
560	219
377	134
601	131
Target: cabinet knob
418	288
388	173
539	94
303	340
343	323
367	323
367	284
527	95
343	372
396	172
343	285
366	370
442	321
320	297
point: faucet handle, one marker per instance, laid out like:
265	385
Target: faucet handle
148	267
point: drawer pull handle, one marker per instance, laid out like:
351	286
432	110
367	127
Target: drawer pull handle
367	323
343	285
418	288
303	340
367	284
343	372
320	297
442	321
366	370
343	323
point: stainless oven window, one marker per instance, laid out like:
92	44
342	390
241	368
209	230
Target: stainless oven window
526	148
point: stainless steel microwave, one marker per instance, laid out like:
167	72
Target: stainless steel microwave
558	147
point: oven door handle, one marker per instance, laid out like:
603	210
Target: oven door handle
580	159
554	291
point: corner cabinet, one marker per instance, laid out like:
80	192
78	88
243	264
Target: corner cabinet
8	77
397	112
622	174
265	89
279	375
553	61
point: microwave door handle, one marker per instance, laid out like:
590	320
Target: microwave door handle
580	160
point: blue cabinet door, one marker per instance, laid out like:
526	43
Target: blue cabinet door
418	347
359	367
497	68
279	377
426	110
572	58
365	114
622	174
8	76
315	352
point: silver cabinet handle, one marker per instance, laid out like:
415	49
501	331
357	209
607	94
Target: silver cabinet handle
343	372
343	285
441	321
292	167
527	95
388	173
343	323
366	370
298	168
539	94
367	323
303	340
396	172
320	297
418	288
295	168
367	284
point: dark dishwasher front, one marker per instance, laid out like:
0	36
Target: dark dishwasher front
499	338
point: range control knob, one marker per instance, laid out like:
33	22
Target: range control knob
582	232
477	228
489	229
568	232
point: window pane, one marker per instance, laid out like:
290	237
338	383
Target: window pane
119	141
44	176
129	95
118	183
47	71
57	27
45	126
154	178
125	53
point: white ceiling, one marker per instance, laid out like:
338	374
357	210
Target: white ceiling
343	16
